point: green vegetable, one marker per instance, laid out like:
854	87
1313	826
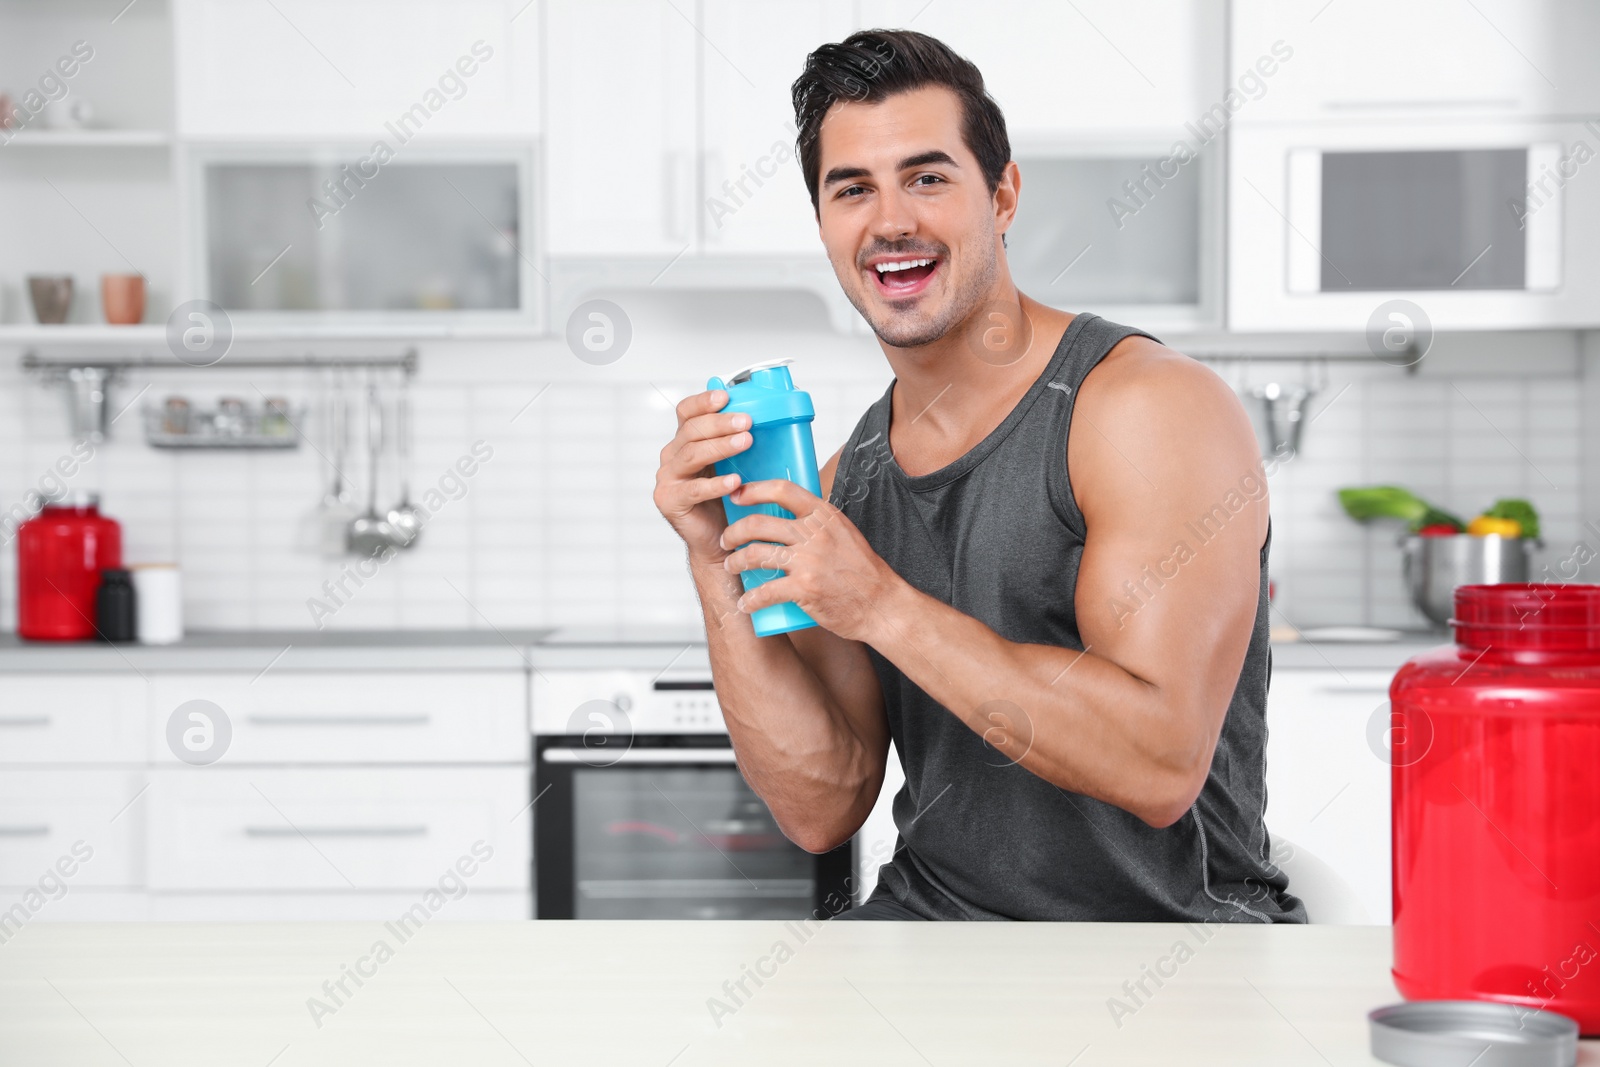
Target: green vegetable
1391	502
1521	510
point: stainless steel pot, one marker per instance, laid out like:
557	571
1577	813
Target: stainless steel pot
1434	566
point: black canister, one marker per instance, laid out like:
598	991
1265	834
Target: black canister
114	609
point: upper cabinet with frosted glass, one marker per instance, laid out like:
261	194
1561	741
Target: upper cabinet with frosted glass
362	162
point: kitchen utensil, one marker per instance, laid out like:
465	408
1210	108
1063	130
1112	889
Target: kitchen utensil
158	600
115	615
122	298
337	510
61	553
370	533
405	518
1493	743
1283	409
87	389
781	447
1433	567
52	297
1451	1033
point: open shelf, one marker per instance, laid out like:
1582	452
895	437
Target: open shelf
83	334
86	138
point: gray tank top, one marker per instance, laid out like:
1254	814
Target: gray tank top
998	535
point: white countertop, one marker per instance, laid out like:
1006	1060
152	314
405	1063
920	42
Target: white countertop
583	647
572	648
644	993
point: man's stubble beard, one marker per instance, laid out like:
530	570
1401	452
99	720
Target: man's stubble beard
972	295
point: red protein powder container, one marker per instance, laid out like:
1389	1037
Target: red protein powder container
1495	746
60	554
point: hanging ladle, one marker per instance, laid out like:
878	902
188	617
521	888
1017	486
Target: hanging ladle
405	518
371	533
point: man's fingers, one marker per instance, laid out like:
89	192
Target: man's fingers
779	491
698	490
762	528
717	424
777	591
700	404
759	556
697	455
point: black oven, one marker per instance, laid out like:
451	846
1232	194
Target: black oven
637	820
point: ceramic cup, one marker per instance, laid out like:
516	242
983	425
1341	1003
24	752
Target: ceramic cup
52	297
122	298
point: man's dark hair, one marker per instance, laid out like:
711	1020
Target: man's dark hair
875	64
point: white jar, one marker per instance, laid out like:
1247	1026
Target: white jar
158	602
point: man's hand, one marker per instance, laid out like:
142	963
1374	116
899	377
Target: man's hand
688	491
829	569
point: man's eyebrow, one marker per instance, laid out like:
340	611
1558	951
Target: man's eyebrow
921	159
845	174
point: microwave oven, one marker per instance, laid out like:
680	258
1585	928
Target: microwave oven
1477	224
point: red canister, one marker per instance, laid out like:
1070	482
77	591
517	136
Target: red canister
60	554
1496	804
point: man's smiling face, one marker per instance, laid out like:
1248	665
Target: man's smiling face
908	221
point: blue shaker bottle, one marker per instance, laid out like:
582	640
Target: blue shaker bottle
781	447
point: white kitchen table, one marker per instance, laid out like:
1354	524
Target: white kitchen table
660	993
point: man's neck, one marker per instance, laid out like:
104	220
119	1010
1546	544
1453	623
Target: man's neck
987	362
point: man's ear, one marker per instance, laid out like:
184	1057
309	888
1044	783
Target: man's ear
1006	196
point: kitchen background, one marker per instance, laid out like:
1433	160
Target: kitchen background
548	154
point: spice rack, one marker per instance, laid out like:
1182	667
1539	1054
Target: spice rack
232	425
272	426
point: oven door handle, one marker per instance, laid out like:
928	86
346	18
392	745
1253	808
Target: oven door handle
638	755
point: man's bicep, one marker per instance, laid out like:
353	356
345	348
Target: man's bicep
1171	487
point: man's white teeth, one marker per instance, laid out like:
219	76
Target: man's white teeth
904	264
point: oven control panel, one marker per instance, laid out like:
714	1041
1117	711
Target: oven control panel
640	702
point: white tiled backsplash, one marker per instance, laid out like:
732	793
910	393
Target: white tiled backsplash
558	526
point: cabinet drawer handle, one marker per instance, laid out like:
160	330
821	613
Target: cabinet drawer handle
340	720
25	830
24	720
336	831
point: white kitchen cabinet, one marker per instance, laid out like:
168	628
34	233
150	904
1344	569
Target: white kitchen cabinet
84	826
295	69
1093	68
52	718
697	154
622	134
1374	59
341	794
353	717
754	199
1327	781
336	829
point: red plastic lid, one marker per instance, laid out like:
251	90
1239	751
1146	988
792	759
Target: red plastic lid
1540	615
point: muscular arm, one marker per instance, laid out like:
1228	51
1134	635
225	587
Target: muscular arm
1157	443
1165	469
804	711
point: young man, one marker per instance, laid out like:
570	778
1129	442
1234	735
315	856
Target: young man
1040	569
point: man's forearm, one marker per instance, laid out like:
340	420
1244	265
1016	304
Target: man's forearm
1073	718
794	744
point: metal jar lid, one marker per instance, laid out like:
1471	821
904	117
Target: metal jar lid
1454	1033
